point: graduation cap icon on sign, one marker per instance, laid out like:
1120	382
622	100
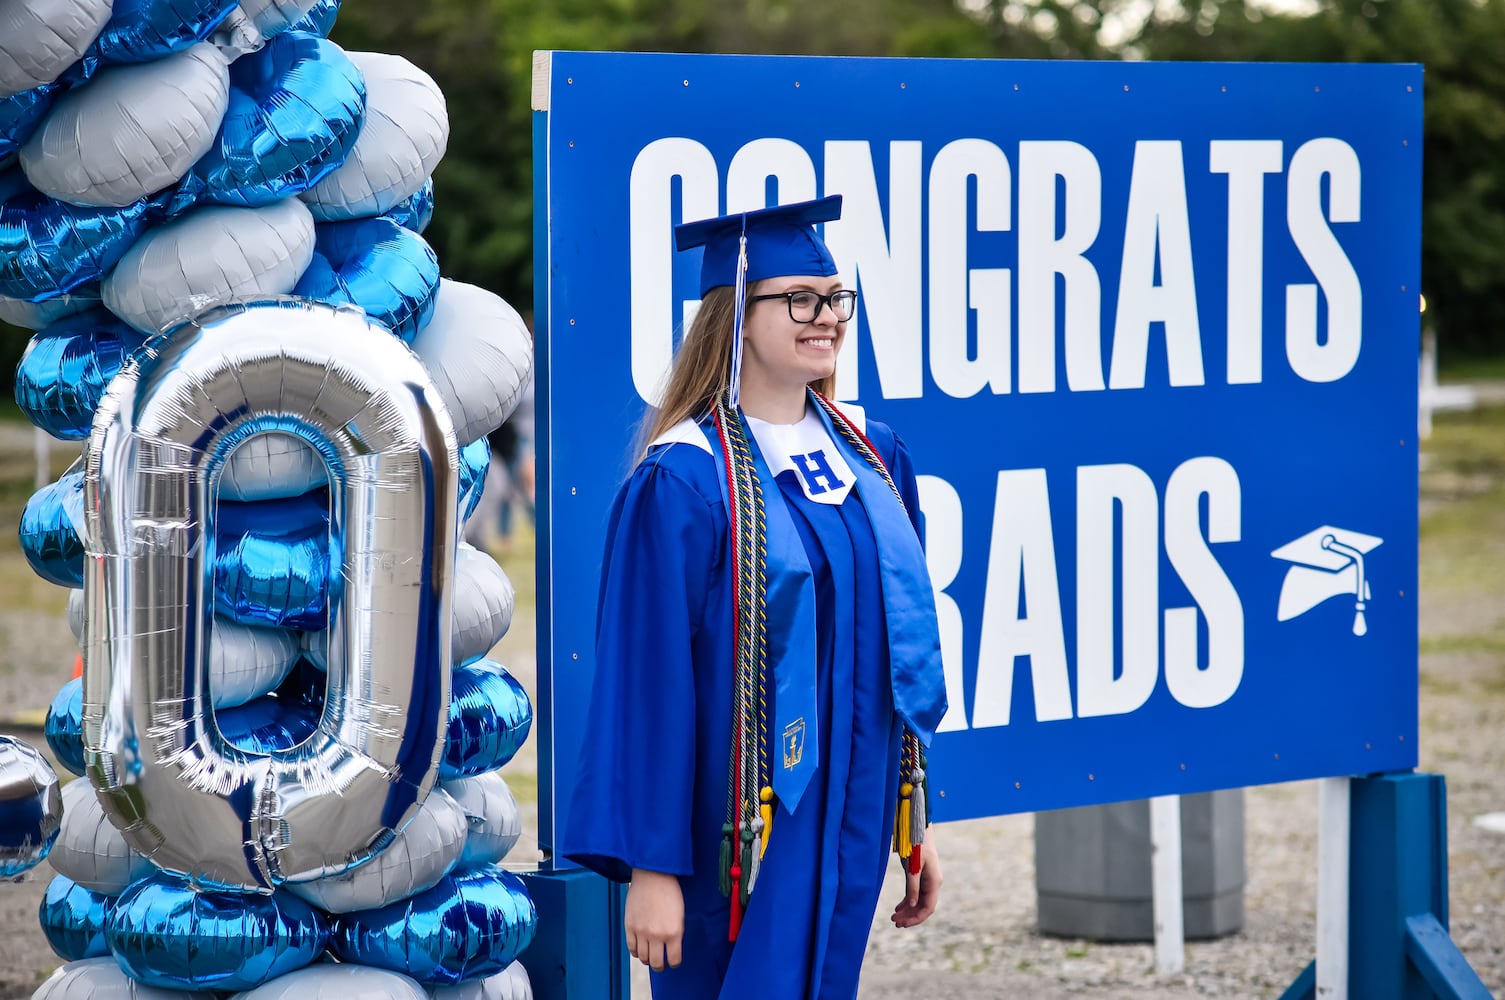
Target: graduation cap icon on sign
1326	562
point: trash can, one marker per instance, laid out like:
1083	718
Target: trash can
1092	869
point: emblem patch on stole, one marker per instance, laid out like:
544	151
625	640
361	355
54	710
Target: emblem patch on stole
794	743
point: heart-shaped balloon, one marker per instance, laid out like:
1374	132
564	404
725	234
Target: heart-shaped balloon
386	269
295	110
144	30
48	247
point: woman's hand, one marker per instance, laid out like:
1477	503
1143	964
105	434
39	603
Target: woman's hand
655	918
923	891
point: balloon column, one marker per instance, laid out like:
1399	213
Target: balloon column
287	727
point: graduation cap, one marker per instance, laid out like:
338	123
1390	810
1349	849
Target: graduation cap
1327	562
750	246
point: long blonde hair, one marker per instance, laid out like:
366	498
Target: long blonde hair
702	367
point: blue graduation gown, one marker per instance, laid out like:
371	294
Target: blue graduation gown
652	786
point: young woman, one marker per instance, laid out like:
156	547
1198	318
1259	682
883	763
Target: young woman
767	664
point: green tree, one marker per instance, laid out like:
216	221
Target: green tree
1462	45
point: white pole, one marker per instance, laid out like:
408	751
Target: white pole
1427	393
41	445
1332	888
1165	880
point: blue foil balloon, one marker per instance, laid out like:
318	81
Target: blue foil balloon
389	271
267	724
143	30
165	933
20	114
31	807
472	924
63	374
489	719
320	19
296	107
475	460
73	919
418	211
273	560
49	247
64	727
49	539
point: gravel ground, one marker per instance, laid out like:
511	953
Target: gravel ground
982	942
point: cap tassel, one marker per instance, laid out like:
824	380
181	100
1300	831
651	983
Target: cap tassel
739	306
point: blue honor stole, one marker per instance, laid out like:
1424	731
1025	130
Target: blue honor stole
914	651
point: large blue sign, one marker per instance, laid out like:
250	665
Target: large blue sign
1150	332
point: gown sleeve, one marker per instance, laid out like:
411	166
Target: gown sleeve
631	805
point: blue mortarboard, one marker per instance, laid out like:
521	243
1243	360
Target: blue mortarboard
750	246
780	241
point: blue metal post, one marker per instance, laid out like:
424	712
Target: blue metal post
1398	943
1399	871
578	953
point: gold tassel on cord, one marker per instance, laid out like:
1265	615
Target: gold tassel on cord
904	845
765	810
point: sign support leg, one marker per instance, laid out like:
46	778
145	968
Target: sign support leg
1333	829
1165	868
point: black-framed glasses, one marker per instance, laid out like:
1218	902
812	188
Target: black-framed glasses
805	305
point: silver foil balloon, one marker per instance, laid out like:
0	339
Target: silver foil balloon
63	373
73	919
489	719
245	661
480	353
511	983
329	981
426	848
166	933
295	109
31	807
491	815
403	139
40	315
186	798
272	466
131	131
101	979
389	271
484	600
39	39
89	849
64	726
211	256
472	924
272	17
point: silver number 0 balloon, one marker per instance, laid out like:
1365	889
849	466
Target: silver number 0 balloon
181	795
